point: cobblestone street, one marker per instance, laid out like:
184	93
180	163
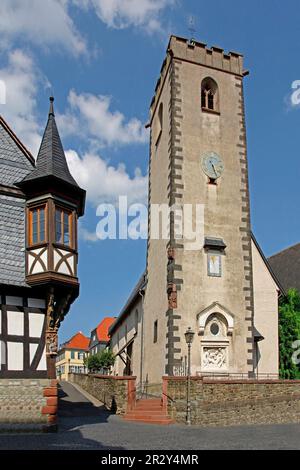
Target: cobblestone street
84	426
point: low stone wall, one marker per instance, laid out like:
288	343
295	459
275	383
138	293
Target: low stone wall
116	393
228	403
27	404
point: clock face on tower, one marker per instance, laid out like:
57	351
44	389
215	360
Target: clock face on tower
212	165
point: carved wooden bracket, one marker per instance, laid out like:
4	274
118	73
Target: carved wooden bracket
51	342
56	312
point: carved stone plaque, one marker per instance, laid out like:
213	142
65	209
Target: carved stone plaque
214	358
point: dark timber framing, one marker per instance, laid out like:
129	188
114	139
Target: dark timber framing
29	370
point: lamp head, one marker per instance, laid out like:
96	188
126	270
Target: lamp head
189	335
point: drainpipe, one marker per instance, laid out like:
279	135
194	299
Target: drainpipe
142	294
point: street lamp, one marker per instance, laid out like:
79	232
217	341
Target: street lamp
258	337
189	337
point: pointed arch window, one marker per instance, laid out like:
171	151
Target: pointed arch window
209	95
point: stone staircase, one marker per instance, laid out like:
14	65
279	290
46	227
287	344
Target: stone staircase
148	411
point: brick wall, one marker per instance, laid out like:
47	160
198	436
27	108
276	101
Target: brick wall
28	403
227	403
116	393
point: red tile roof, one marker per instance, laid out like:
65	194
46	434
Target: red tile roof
78	341
103	327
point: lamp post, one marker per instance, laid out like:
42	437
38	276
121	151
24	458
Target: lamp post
258	337
189	337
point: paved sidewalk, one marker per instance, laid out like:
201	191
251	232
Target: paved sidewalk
75	402
82	425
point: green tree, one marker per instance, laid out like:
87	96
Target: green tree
289	332
103	360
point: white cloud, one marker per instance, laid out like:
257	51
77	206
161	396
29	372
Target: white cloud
46	23
86	235
120	14
105	183
102	181
90	117
22	80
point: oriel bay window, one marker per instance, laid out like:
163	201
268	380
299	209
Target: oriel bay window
37	225
54	201
52	241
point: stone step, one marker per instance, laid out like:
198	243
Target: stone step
148	407
150	400
153	420
148	403
148	411
146	415
136	411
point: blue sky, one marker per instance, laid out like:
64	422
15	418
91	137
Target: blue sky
101	59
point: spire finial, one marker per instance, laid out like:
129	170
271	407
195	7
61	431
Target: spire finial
51	109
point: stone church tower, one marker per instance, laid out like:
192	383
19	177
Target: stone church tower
198	155
224	288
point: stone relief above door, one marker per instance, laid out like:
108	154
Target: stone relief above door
215	328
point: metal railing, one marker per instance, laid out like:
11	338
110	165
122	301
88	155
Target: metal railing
145	390
241	376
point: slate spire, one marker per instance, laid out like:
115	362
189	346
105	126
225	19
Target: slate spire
51	159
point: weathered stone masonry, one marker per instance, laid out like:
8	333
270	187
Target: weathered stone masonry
28	401
229	403
116	393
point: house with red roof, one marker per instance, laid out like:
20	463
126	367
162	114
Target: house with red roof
71	355
99	336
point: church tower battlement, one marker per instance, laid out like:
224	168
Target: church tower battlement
198	53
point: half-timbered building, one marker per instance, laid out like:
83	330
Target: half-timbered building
40	203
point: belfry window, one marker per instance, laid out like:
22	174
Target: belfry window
37	225
209	95
210	100
63	221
